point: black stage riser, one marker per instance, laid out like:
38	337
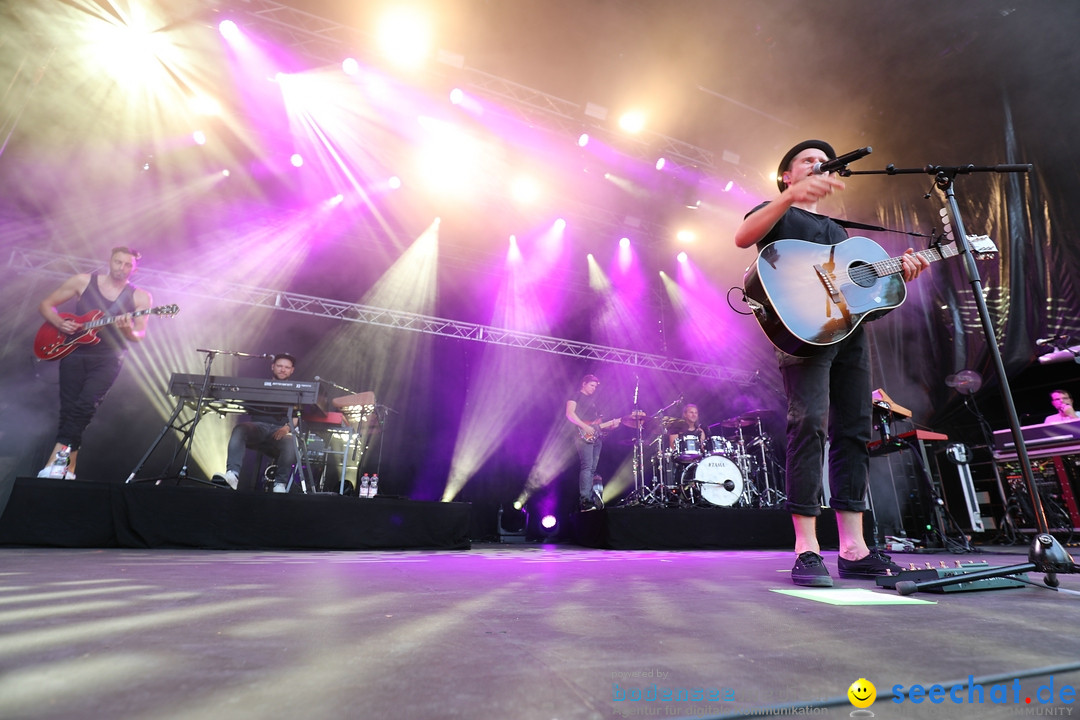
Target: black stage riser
648	528
75	513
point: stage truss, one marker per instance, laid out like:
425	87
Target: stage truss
38	262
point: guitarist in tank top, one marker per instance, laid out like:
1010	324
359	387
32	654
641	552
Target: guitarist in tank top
87	373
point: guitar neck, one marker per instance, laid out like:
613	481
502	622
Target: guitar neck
893	265
113	318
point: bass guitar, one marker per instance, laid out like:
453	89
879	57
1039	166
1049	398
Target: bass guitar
806	296
51	344
597	430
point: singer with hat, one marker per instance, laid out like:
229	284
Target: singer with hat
269	429
829	392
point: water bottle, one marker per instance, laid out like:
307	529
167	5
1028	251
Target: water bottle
365	486
60	463
374	486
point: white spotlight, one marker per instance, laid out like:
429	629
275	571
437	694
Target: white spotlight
349	66
228	30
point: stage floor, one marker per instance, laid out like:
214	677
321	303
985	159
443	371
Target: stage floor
502	631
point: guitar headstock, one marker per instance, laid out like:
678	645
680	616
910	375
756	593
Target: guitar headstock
983	247
169	310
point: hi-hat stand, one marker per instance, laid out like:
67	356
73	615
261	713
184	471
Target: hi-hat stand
1046	555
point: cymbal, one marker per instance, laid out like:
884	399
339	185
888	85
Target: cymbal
635	419
736	422
677	427
759	413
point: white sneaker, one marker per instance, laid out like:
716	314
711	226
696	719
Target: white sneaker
230	478
280	487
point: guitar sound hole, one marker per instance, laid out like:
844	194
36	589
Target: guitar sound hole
862	274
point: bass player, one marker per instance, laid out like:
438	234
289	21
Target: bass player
583	413
829	392
87	373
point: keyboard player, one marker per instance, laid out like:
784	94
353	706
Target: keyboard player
269	429
1063	403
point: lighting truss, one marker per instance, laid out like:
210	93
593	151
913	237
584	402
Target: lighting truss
26	260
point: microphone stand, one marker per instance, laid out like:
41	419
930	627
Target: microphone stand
1046	555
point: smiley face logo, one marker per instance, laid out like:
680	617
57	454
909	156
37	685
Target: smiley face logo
862	693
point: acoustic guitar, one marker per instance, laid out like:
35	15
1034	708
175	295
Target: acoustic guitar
51	344
806	296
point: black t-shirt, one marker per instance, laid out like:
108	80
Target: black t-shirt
587	409
797	224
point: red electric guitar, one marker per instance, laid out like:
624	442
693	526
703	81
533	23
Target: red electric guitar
51	344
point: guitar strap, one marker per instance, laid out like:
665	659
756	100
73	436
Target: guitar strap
877	228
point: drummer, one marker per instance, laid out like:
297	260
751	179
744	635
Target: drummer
688	424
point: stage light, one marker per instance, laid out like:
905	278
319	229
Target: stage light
682	257
405	37
686	236
457	95
512	524
583	139
199	137
225	173
730	184
624	243
632	121
394	182
548	522
518	504
660	163
229	30
559	225
349	66
296	160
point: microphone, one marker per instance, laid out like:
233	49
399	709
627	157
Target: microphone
820	168
1051	340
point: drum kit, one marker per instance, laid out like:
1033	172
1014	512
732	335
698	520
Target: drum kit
729	465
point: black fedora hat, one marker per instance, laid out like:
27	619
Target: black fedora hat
790	155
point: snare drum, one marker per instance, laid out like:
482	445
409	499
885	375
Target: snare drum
719	480
720	445
688	448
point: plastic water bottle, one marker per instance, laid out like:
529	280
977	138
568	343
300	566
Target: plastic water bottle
60	463
365	486
374	486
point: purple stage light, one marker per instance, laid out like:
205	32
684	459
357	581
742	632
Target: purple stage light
394	182
682	257
583	139
349	66
229	30
548	522
624	243
296	160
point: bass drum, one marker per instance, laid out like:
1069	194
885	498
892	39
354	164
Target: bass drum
717	479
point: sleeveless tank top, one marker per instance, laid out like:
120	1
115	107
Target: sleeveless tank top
113	341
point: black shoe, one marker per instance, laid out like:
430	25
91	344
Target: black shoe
810	571
873	565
